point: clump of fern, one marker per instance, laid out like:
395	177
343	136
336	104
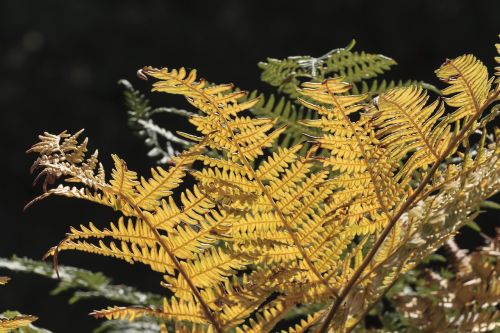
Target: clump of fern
263	233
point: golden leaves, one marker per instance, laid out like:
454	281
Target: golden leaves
258	233
469	85
405	125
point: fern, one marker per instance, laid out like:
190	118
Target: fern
261	233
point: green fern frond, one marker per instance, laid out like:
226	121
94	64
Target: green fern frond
353	66
140	118
86	284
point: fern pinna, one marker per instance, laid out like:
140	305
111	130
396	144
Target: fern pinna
261	234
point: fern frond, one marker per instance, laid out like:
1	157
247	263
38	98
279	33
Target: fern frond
123	180
84	283
4	280
138	233
212	228
277	162
221	108
150	191
305	324
172	311
10	324
155	257
266	318
207	269
406	125
264	231
194	205
354	150
469	86
377	87
62	156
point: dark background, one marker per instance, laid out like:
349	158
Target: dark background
60	62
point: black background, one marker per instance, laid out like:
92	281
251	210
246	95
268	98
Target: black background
60	62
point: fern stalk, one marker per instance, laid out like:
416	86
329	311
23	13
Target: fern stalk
373	251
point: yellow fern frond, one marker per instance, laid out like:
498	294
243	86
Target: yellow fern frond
224	165
191	240
258	222
172	311
406	125
353	149
277	162
305	324
136	232
294	200
155	256
278	187
266	318
4	280
223	185
10	324
207	269
123	180
161	183
469	85
195	204
220	107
